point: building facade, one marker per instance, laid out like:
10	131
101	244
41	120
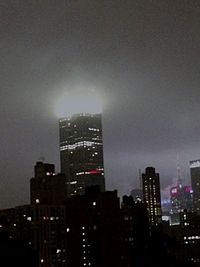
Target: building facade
46	187
151	195
81	152
195	181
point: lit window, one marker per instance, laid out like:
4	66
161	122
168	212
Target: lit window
37	200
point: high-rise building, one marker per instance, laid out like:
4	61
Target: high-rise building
151	195
195	181
81	152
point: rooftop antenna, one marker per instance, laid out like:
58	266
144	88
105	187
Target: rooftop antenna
179	179
42	159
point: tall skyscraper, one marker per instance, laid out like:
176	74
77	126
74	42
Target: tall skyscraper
81	150
151	195
195	181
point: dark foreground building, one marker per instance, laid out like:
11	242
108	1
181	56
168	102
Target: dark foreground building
93	229
14	251
134	231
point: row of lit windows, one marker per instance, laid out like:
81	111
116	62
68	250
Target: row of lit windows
79	144
191	237
51	218
94	129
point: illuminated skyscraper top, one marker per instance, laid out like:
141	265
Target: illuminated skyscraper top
81	145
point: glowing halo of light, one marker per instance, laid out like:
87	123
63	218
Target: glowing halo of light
78	103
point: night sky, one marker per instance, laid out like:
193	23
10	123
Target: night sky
141	56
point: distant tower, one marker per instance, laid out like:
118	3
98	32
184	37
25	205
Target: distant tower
151	195
179	178
81	147
195	181
181	197
137	193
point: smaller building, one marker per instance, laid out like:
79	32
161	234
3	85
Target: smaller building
47	187
181	198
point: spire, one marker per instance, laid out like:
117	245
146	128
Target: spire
179	179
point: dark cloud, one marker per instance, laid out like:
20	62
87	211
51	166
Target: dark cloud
142	56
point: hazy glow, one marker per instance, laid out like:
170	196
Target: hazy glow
76	103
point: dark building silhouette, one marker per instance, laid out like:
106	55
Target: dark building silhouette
195	181
151	195
44	220
81	152
42	227
93	229
135	231
46	186
13	251
183	240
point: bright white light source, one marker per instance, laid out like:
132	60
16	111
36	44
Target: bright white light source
78	103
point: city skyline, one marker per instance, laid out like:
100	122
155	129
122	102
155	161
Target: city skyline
141	56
